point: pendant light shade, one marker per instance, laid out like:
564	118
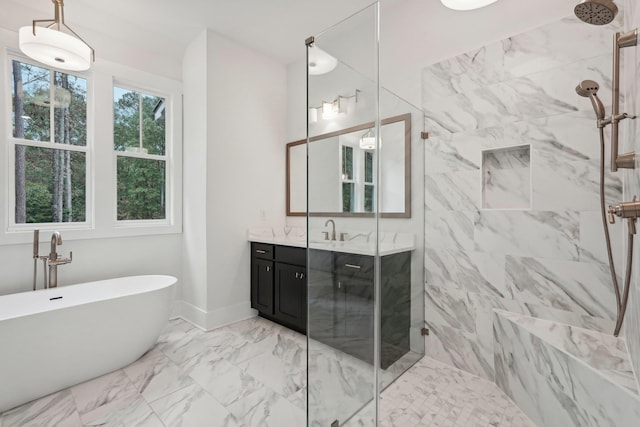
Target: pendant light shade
466	4
53	47
368	140
320	62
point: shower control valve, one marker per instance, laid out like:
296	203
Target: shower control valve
628	210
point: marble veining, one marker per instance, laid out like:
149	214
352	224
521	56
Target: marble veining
552	371
571	286
256	392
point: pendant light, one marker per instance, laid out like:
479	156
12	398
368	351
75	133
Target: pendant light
51	46
368	140
466	4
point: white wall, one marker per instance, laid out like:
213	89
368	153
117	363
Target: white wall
194	255
246	159
235	111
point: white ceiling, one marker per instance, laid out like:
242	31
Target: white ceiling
276	27
414	33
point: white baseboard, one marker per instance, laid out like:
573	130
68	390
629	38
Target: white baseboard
212	319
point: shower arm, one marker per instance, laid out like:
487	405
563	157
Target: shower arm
626	160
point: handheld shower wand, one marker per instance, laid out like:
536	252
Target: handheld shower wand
589	89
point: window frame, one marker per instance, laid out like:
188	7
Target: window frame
11	143
101	211
167	157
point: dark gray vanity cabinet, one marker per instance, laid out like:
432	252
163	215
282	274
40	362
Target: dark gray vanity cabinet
262	266
279	284
342	310
341	299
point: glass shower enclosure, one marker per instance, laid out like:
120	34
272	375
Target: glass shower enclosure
365	198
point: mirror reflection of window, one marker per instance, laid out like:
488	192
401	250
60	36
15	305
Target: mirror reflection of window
369	186
348	183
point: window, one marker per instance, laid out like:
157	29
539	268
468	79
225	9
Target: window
139	135
49	145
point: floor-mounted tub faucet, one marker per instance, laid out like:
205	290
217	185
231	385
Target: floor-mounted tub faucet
54	261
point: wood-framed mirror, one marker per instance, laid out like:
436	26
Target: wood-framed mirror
342	175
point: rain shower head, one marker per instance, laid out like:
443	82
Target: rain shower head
596	12
589	89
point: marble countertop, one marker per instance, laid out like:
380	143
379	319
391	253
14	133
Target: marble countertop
361	243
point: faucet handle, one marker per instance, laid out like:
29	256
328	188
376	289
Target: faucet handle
342	236
326	235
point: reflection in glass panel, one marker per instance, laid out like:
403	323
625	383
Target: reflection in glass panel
347	196
134	111
54	187
70	109
30	90
347	162
126	119
369	191
368	167
141	188
153	124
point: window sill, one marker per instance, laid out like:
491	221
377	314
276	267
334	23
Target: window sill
24	234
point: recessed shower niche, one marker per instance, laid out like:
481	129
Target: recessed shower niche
506	178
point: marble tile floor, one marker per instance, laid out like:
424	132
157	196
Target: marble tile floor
253	373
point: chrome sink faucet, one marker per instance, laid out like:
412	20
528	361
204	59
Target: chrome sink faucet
333	230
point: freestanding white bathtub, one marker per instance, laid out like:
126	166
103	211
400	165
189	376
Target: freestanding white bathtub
54	338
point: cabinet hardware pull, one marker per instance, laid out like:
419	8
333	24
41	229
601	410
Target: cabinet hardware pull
268	268
302	275
297	275
260	251
357	267
339	285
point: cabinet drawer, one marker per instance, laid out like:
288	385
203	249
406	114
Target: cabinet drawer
354	265
291	255
262	250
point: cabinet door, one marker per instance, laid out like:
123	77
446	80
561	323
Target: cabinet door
291	295
262	285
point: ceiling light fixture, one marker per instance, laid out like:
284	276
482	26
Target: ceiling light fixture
466	4
368	140
53	47
320	62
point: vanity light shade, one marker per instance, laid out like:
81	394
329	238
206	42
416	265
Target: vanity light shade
466	4
55	48
368	140
320	62
330	110
313	115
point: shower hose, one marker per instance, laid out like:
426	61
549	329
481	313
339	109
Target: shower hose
621	298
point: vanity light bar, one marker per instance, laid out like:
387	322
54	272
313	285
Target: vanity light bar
330	109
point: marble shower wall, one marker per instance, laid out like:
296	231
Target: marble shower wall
630	141
546	261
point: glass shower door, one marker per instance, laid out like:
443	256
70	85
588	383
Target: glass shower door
342	220
365	177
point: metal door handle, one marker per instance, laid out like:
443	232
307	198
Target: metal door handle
357	267
268	268
260	251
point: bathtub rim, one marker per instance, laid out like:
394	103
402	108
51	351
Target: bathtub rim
19	305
